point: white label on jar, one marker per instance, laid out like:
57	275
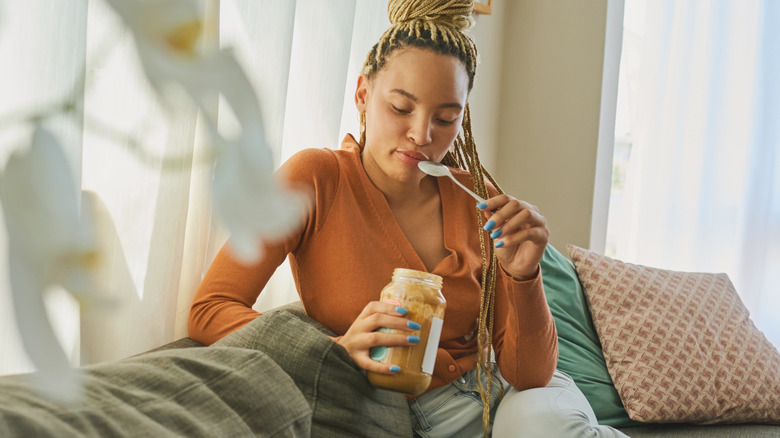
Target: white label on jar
432	346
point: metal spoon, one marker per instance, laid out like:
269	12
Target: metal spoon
433	168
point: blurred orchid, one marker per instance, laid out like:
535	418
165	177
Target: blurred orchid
49	243
168	37
247	199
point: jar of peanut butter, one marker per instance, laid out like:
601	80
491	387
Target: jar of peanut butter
420	293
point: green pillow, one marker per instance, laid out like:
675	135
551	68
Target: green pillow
578	345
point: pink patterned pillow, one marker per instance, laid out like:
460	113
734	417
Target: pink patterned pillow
680	347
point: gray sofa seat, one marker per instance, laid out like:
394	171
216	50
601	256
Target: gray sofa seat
708	431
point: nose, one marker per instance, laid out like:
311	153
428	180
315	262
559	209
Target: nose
420	131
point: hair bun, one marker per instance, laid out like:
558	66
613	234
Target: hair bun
454	13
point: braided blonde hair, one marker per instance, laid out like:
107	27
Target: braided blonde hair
439	25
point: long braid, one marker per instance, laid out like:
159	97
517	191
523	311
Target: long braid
466	150
439	26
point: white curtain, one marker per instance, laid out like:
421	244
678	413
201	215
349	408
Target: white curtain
145	163
703	184
31	80
304	57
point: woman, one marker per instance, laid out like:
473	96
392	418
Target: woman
412	98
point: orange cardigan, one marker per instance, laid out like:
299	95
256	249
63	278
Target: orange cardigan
345	254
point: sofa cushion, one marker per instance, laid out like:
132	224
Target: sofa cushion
194	392
679	346
696	431
342	400
578	344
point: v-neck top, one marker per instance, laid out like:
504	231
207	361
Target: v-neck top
345	254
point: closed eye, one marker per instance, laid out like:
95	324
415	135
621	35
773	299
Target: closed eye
399	110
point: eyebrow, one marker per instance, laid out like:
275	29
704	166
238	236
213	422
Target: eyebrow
414	98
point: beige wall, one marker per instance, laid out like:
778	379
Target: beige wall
536	106
485	97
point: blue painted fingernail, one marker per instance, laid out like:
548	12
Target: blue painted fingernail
413	325
401	310
395	369
482	205
490	225
496	234
413	339
499	244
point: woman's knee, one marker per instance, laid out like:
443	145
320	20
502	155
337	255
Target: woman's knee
558	409
527	413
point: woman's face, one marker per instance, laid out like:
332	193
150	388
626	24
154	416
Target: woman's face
414	108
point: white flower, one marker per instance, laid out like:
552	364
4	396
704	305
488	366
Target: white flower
247	199
168	35
50	242
249	202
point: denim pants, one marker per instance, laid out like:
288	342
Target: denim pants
557	410
453	410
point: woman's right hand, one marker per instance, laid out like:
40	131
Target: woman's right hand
363	334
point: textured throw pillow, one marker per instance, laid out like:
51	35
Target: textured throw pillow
579	349
680	347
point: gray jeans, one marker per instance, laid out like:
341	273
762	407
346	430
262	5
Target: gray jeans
557	410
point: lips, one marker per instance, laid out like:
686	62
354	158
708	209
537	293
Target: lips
412	155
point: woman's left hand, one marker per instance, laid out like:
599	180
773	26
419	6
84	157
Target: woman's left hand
519	234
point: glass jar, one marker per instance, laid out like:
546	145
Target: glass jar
419	293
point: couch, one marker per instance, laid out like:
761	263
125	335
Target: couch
263	381
636	431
